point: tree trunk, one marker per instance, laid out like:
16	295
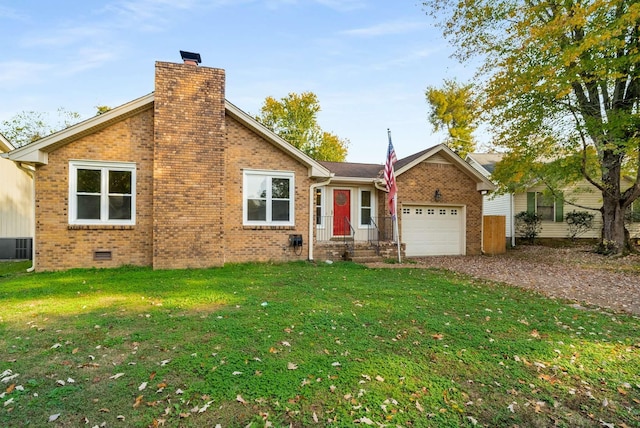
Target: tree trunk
613	230
614	238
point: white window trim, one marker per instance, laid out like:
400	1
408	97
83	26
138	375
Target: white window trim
323	207
269	174
74	165
372	207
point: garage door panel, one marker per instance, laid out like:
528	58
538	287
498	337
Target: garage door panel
432	230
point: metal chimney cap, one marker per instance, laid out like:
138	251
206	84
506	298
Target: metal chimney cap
190	56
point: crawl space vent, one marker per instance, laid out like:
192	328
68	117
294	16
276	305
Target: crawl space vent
102	255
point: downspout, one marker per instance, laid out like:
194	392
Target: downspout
32	173
511	215
312	198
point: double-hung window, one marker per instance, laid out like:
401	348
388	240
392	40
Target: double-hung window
268	198
102	193
366	207
319	201
548	207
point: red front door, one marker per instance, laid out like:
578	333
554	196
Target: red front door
341	212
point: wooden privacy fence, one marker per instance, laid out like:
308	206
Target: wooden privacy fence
494	239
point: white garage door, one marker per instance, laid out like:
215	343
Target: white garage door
433	230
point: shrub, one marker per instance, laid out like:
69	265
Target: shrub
528	225
579	222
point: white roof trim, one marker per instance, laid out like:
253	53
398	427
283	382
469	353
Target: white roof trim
5	145
37	152
478	166
315	168
482	182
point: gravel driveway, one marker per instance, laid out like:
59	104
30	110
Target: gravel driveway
575	274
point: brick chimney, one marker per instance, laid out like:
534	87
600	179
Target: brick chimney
189	167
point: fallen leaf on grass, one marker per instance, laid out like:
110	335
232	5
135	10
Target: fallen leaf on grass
104	410
138	401
142	386
292	366
364	420
205	407
437	336
419	407
54	417
10	388
56	346
240	399
116	376
315	417
379	378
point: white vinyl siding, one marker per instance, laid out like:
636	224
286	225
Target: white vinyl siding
499	205
16	193
581	193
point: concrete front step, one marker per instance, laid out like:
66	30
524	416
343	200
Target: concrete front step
365	259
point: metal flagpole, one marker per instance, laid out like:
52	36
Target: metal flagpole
395	209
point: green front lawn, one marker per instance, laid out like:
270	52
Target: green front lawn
272	345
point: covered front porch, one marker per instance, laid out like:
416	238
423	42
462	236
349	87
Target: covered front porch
337	238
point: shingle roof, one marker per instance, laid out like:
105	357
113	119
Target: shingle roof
355	170
369	170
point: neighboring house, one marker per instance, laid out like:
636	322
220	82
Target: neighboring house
16	207
576	197
182	178
495	204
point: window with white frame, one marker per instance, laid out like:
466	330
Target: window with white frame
366	207
319	208
102	193
268	198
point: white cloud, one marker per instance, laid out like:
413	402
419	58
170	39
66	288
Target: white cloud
9	13
343	5
18	73
386	28
66	36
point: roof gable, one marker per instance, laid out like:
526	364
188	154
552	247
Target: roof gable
37	152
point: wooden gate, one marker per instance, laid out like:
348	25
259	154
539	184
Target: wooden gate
494	234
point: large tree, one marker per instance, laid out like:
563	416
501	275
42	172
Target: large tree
562	81
29	126
454	108
294	118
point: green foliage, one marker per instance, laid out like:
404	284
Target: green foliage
294	343
562	79
29	126
528	225
454	108
102	109
579	222
294	118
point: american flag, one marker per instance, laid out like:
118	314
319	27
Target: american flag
390	177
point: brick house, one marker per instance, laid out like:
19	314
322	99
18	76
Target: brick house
182	178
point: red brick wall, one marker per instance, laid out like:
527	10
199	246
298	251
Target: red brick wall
61	246
188	168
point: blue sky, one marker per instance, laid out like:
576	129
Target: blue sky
368	61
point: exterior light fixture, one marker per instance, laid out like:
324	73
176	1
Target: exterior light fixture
437	196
